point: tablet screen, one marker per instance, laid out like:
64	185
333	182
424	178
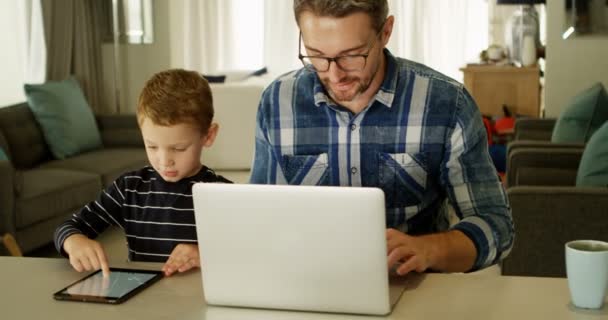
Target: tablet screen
120	285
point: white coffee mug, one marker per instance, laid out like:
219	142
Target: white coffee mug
587	270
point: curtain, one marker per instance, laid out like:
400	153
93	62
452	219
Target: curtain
208	35
219	36
280	37
33	47
442	34
73	40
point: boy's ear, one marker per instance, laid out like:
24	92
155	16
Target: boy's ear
211	135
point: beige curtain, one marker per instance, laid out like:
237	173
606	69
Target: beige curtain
73	40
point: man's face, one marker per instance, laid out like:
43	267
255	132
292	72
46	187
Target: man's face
175	151
333	37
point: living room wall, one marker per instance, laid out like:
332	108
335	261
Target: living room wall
572	65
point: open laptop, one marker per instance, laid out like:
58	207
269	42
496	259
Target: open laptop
294	247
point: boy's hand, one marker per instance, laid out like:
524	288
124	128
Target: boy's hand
86	254
183	258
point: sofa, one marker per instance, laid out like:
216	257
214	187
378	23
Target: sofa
235	105
38	192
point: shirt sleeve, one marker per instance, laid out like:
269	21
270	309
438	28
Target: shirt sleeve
474	188
266	168
95	217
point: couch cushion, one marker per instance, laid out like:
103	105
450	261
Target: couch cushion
3	155
107	163
586	112
66	119
235	107
593	168
22	137
49	192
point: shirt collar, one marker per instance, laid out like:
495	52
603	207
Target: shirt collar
385	94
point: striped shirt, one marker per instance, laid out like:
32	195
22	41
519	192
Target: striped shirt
421	140
155	215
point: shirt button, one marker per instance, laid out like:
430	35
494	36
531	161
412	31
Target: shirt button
353	127
353	170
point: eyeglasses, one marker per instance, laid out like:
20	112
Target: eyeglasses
353	62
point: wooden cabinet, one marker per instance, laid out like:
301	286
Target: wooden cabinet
495	86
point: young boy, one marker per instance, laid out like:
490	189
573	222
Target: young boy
153	205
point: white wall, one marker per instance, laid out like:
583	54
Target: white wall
572	65
139	61
11	62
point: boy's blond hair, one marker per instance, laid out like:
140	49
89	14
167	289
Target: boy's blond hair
176	96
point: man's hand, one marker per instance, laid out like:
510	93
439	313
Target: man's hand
412	252
183	258
86	254
450	251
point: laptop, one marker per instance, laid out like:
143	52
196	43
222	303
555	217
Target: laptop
294	247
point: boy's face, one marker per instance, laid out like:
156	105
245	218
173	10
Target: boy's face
175	151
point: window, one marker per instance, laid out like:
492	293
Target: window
248	34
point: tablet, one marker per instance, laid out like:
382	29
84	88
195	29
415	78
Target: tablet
117	288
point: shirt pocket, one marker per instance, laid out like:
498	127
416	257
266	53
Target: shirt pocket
403	178
306	169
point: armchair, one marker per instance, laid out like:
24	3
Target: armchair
548	210
533	136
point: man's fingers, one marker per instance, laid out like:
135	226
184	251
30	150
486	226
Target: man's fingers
408	266
396	255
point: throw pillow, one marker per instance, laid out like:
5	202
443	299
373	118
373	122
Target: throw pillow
3	155
586	112
593	168
67	121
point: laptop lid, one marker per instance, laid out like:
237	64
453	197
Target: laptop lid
293	247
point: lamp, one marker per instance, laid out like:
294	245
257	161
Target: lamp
522	34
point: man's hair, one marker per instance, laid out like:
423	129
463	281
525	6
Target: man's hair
376	9
176	96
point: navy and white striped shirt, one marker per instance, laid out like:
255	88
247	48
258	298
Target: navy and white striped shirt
155	215
421	140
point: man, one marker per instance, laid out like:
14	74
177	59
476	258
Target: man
355	115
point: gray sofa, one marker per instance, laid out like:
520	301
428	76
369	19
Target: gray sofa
38	192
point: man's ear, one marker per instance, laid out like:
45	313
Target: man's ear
209	138
388	29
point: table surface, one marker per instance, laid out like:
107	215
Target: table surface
28	284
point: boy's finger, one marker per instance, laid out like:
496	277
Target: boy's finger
103	261
186	266
86	263
76	264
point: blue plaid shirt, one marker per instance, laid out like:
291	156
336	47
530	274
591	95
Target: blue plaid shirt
421	140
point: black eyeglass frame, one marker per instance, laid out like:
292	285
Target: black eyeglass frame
336	60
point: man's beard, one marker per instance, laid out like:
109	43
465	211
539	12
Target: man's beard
360	86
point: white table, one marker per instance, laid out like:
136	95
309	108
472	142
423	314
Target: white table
28	284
